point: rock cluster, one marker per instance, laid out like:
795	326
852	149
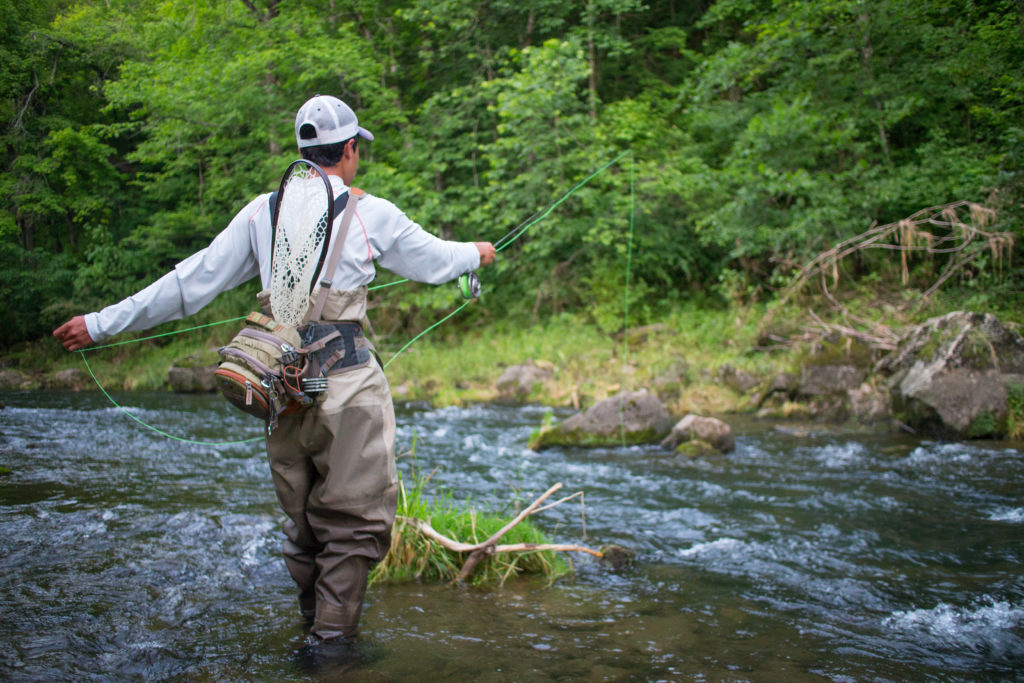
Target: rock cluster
954	375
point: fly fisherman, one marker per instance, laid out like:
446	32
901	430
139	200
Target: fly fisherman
333	464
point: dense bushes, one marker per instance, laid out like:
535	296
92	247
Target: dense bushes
761	133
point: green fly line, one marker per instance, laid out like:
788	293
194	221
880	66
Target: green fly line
501	244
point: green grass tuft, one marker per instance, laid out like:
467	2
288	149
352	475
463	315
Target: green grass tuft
415	557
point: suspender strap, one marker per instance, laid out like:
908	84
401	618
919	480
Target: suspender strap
353	197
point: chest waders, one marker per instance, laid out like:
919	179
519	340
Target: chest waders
333	463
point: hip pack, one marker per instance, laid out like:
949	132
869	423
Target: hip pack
260	369
267	373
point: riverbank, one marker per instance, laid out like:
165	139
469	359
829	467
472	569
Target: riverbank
698	359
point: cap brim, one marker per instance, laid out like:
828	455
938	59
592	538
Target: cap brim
363	133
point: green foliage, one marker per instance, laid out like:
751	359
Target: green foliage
762	132
1015	408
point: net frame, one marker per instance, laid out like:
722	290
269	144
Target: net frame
301	232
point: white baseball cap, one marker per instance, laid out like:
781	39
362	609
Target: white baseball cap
325	120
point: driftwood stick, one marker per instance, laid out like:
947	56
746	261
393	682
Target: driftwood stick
578	494
540	547
487	547
424	528
457	546
521	516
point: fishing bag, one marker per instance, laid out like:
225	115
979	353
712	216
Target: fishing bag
260	369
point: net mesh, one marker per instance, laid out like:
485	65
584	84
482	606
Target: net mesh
298	240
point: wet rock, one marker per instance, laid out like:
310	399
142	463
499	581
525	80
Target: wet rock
953	375
695	435
188	376
13	380
71	379
518	381
639	417
616	557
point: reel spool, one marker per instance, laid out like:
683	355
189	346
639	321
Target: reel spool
469	285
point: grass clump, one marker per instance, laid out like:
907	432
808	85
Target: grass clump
1015	410
413	556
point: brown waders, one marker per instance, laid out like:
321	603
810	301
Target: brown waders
333	466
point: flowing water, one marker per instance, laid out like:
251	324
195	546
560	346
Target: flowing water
801	556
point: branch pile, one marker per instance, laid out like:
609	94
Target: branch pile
958	232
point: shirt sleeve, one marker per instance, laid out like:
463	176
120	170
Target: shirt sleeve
226	263
414	253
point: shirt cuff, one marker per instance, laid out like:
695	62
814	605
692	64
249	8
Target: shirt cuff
92	324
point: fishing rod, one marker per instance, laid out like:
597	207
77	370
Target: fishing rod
469	286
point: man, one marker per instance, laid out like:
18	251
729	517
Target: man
333	464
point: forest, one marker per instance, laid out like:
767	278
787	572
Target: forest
760	134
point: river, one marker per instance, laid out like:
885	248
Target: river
805	555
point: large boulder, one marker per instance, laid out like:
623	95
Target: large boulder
954	375
695	435
517	382
637	417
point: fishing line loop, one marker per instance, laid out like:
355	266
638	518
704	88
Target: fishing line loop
468	284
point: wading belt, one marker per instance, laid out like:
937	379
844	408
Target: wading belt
333	347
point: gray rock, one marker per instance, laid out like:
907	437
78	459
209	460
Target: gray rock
869	404
669	384
192	380
952	375
12	380
822	380
709	430
518	380
638	416
784	384
736	379
72	379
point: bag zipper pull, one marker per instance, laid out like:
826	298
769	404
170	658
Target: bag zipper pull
248	393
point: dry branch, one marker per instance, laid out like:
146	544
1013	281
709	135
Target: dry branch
937	231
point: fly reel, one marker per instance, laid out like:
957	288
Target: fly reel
469	285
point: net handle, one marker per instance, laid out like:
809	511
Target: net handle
354	195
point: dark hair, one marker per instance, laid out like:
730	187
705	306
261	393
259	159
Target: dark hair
326	155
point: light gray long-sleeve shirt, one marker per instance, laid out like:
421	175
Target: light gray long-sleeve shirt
379	231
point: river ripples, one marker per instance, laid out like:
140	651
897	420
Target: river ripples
803	555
